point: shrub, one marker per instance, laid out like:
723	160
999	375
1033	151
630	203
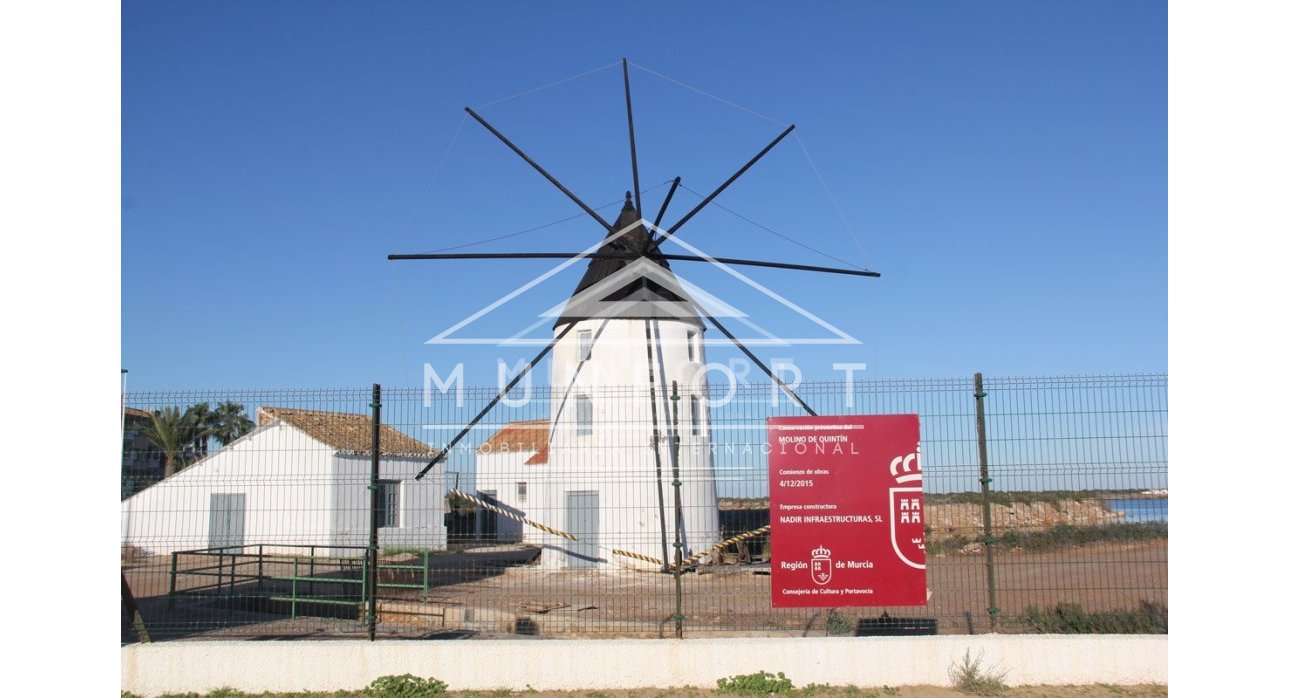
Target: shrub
1072	618
1060	536
835	624
763	682
969	677
405	686
1025	496
1063	535
131	553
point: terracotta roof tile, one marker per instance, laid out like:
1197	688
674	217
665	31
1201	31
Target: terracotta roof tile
517	437
344	431
540	457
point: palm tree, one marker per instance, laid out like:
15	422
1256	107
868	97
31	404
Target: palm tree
173	432
202	420
229	422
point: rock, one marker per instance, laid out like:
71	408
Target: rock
947	520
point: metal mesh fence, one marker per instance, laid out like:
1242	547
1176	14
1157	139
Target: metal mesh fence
556	516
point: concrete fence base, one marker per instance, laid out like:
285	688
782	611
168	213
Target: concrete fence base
175	667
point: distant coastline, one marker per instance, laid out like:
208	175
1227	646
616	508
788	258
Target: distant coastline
1141	509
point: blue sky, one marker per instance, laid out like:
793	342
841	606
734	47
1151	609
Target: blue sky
999	161
1002	164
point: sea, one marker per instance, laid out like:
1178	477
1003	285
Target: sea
1141	510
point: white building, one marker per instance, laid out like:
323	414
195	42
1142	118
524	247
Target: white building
600	474
299	479
507	468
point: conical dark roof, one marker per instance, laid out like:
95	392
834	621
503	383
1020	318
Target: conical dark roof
658	295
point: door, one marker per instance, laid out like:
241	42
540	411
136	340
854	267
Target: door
582	512
488	517
228	519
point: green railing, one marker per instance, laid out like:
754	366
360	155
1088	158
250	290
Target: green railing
295	599
234	564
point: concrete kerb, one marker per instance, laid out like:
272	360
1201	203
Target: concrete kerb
176	667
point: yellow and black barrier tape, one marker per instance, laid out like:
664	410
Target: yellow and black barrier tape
511	515
637	556
725	544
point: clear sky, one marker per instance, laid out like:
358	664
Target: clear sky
1002	164
996	160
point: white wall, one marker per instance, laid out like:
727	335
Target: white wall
298	493
616	460
501	472
420	501
150	670
282	472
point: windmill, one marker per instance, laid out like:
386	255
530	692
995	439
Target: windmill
607	484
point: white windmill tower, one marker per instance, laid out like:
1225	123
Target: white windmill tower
623	451
625	469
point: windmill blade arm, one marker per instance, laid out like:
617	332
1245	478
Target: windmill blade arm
630	255
753	357
658	220
443	453
590	211
770	265
677	226
631	137
490	255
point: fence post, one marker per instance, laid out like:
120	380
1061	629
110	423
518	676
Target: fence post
132	610
425	572
676	503
370	573
174	574
232	583
993	609
658	457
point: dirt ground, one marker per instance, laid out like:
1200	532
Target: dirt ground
1092	691
499	592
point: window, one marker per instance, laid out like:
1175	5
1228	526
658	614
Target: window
584	345
692	345
694	415
521	491
582	414
387	503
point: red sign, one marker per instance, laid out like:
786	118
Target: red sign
846	512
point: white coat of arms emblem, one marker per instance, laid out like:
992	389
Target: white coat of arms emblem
906	514
821	565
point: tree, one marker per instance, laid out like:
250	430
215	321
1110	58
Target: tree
202	421
173	433
229	422
180	436
183	437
